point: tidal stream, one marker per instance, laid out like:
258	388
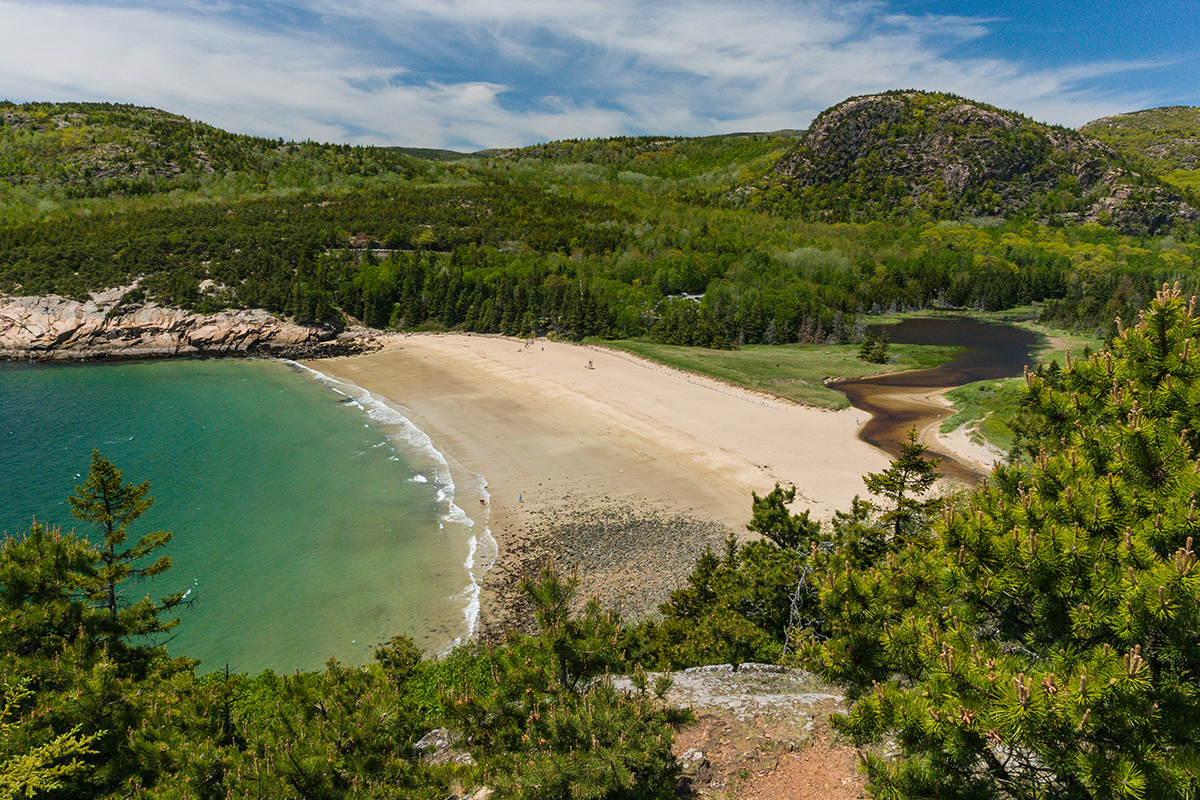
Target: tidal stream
902	400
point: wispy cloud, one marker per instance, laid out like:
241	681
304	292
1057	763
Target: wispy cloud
479	73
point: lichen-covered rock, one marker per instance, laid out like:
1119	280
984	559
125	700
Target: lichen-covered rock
59	328
937	154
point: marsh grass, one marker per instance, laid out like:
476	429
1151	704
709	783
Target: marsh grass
988	407
794	372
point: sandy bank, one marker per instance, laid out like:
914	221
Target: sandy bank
552	435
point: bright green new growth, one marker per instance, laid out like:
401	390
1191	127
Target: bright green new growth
44	767
1045	642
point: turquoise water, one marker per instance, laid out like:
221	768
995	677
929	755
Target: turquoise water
310	519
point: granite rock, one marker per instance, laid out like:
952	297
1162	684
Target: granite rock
61	328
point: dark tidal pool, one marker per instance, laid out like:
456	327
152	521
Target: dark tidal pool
899	401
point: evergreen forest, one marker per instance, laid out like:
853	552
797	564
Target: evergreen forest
1035	637
716	241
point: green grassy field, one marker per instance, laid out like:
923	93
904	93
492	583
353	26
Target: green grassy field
799	372
795	372
986	407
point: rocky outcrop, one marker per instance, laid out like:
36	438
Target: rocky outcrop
59	328
951	157
1167	138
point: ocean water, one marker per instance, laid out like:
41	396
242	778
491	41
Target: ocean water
311	519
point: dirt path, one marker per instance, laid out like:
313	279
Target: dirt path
762	732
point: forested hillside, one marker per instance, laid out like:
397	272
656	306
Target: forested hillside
52	152
904	153
894	202
1166	140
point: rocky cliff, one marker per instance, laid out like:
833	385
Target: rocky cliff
59	328
907	152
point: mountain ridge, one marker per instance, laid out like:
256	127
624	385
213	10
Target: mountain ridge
887	155
904	153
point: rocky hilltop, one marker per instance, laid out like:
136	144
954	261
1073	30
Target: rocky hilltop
59	328
904	152
1167	139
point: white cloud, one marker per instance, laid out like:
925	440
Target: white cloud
480	73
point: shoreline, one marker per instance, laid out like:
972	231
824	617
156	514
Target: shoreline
649	465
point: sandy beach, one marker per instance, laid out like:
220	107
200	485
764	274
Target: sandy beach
571	440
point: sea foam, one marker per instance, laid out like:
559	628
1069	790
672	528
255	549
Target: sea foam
482	548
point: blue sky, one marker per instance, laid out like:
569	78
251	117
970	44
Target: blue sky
470	74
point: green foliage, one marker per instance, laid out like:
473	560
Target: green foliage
986	409
399	657
909	155
771	518
874	349
902	487
1164	138
100	155
1044	642
343	732
549	723
668	159
797	373
43	579
735	609
112	507
44	767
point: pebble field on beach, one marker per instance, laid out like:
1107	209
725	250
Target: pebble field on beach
629	555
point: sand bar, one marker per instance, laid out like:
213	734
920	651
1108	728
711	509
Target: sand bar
540	424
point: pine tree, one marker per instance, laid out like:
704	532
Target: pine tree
771	518
902	486
41	575
112	507
874	349
548	722
1047	642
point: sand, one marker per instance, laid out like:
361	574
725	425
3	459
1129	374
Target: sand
559	428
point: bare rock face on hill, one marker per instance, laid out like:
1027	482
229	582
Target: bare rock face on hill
59	328
905	152
1166	138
